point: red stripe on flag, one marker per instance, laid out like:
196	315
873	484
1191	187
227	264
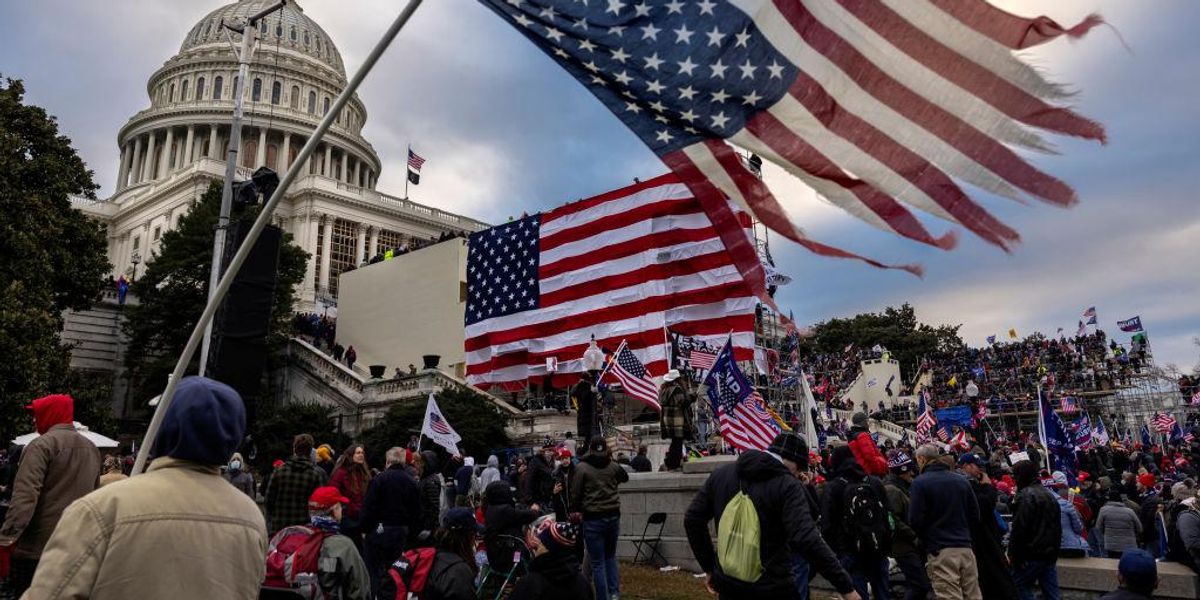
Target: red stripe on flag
654	210
1011	31
661	239
655	272
581	205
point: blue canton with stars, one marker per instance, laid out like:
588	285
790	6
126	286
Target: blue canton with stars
502	270
675	72
727	386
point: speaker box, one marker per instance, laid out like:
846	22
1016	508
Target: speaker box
238	353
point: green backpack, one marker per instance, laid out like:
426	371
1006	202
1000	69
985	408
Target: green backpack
738	540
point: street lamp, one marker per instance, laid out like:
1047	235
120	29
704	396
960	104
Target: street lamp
136	259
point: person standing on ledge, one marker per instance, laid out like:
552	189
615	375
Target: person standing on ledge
675	420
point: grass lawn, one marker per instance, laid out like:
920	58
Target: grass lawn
645	583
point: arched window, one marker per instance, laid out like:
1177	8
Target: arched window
292	33
312	103
183	91
200	88
294	99
249	153
218	83
171	97
326	111
272	155
276	92
262	27
256	91
306	40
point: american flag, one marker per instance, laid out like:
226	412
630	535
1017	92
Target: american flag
701	360
620	266
415	161
1163	422
744	421
960	441
1069	405
943	433
633	377
878	106
925	419
439	425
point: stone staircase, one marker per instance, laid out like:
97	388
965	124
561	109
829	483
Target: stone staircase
885	429
95	336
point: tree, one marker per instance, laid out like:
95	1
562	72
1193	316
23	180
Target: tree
474	417
274	432
897	329
54	257
172	294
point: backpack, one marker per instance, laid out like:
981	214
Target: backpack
1176	550
738	540
865	520
292	558
408	575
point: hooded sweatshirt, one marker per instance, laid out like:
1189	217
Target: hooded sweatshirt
48	411
491	474
594	488
206	423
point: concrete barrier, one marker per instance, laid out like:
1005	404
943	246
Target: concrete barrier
647	493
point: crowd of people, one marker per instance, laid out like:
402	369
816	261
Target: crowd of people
321	332
412	245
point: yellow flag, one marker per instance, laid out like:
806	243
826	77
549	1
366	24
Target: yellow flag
778	419
1012	334
953	381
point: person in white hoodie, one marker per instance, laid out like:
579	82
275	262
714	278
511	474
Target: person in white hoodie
491	473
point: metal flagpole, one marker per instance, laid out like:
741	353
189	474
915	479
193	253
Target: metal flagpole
261	222
249	35
407	173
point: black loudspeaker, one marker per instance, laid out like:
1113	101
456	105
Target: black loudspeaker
238	353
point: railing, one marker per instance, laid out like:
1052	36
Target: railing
893	430
333	372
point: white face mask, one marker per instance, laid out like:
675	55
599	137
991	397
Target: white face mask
235	465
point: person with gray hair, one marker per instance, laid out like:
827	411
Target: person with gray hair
391	510
942	510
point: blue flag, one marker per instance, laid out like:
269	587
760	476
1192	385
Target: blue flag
1057	438
991	339
1145	437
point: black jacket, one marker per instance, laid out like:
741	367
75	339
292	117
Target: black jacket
833	503
1036	528
942	508
539	482
1148	514
450	578
392	500
785	522
641	464
553	576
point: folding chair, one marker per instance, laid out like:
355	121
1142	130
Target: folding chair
508	558
649	545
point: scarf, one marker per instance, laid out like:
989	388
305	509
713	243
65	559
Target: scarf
327	524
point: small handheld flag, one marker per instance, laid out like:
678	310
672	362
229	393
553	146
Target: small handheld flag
436	428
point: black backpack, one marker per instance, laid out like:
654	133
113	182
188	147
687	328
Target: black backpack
1176	550
865	520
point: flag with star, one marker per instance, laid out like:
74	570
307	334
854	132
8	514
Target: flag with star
879	106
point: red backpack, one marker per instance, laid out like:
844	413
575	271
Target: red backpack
292	558
408	575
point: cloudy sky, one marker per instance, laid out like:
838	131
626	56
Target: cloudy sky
505	130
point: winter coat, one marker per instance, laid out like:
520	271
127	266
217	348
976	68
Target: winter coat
343	480
995	578
553	576
491	474
867	453
641	464
287	495
56	468
179	531
1188	525
501	516
392	500
941	508
1072	526
1119	527
538	484
834	502
1148	514
675	420
430	490
450	578
1036	526
904	539
341	570
594	488
240	480
785	522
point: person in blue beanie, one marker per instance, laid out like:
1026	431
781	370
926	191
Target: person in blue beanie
1138	575
179	531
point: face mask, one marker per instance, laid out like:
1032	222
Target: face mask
235	465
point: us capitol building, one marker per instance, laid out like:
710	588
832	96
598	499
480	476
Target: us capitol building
171	151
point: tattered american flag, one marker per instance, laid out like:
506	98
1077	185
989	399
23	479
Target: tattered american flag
925	419
619	266
879	105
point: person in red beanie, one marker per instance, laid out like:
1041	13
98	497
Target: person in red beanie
1151	515
57	468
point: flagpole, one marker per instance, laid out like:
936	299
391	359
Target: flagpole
600	377
406	172
1042	427
260	223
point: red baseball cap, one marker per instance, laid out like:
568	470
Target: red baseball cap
1146	479
323	498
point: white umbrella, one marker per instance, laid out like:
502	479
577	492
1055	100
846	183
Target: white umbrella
101	441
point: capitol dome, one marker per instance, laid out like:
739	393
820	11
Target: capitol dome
289	28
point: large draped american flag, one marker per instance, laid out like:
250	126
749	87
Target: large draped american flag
881	106
621	266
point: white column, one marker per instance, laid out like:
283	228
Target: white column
326	250
354	178
308	237
361	247
342	172
124	168
261	159
187	145
373	248
284	161
135	165
148	166
213	152
164	165
327	168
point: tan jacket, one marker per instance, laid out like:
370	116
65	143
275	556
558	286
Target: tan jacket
56	469
180	532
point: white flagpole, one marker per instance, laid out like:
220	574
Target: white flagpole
1042	428
260	223
810	405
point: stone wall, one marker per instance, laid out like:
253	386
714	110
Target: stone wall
646	493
